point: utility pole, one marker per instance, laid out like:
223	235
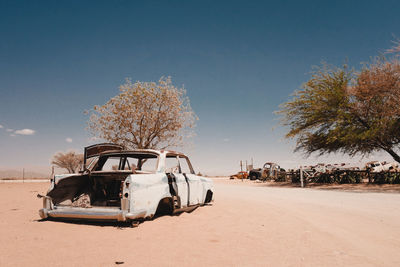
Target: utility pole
23	175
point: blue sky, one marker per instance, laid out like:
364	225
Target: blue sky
237	59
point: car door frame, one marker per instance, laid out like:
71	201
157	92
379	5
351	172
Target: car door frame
194	183
182	182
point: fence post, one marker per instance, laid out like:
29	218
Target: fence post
301	176
241	169
369	176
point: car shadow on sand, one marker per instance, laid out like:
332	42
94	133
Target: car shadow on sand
114	224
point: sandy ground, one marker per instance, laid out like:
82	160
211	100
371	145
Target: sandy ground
247	225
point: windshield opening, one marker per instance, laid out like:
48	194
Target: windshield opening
123	162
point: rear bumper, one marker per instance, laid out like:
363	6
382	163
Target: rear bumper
103	214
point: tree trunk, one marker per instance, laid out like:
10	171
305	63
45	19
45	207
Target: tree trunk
393	154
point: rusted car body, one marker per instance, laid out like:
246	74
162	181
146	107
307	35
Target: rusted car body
269	170
124	185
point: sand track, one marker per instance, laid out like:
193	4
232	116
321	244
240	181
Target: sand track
247	225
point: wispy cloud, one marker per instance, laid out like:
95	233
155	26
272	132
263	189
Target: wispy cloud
226	140
1	126
12	135
10	130
25	132
68	140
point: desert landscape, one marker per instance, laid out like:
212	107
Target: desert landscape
200	133
248	224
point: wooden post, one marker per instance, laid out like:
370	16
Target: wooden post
23	175
301	176
369	175
241	169
52	172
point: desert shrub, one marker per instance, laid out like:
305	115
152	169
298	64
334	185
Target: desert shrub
396	178
378	178
350	177
323	178
294	176
386	178
281	177
341	177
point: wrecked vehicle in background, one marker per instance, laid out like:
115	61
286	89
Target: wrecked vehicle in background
269	170
377	166
240	175
126	185
328	168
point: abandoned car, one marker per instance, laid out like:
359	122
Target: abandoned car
377	166
269	170
123	185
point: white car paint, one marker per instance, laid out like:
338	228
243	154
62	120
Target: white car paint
141	194
377	166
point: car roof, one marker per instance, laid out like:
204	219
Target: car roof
139	151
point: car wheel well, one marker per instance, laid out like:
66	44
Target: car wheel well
208	197
165	207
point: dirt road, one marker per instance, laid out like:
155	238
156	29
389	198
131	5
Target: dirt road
248	225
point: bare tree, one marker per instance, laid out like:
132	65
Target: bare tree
395	48
68	160
145	115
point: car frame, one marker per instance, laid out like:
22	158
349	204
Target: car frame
127	192
270	170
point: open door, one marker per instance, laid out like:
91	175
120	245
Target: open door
95	150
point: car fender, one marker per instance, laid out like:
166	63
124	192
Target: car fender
208	185
146	191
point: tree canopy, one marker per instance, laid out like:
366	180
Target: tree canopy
68	160
339	110
145	115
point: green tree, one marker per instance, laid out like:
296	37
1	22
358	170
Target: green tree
339	110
